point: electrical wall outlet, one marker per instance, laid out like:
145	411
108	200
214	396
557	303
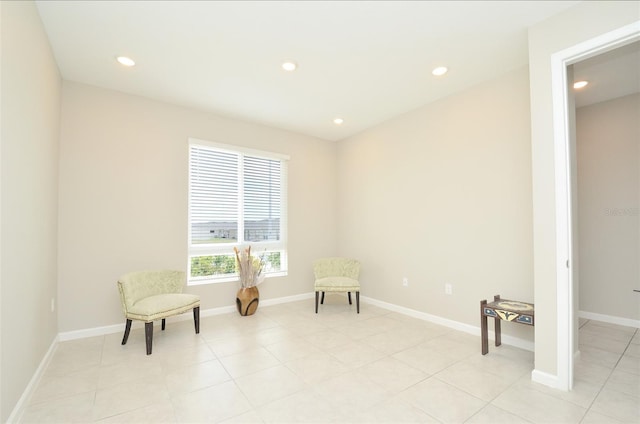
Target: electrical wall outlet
405	282
448	288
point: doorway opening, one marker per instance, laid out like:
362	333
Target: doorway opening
565	185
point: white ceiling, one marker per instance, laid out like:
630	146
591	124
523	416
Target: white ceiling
364	61
613	74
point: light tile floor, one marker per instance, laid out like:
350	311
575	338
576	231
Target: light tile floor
286	364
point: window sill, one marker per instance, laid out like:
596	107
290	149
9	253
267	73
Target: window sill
232	279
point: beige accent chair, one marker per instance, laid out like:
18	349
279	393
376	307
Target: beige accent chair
151	295
337	275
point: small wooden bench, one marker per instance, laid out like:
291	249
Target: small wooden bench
502	309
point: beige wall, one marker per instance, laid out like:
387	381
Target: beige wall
578	24
443	195
439	195
123	198
608	135
30	87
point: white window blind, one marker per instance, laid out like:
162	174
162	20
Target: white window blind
262	199
236	198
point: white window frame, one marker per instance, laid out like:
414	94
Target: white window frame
227	248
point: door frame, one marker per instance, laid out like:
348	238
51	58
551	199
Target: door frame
564	186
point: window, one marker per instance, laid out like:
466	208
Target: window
237	197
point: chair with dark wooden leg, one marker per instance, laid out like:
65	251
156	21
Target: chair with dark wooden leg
151	295
337	275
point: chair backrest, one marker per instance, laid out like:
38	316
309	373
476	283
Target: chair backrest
336	267
138	285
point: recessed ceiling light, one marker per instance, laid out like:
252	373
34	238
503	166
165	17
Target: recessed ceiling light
440	70
289	66
580	84
126	61
338	121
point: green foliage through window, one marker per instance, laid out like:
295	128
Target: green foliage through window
204	266
220	265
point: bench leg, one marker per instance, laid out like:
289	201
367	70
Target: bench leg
322	299
497	324
196	319
148	335
163	323
317	297
484	333
349	295
358	301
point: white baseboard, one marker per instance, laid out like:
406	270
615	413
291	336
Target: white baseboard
456	325
90	332
610	319
18	409
287	299
118	328
542	377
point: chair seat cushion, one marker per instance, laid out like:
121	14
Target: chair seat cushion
337	284
162	305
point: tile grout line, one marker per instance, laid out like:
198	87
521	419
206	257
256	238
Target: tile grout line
285	324
607	379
